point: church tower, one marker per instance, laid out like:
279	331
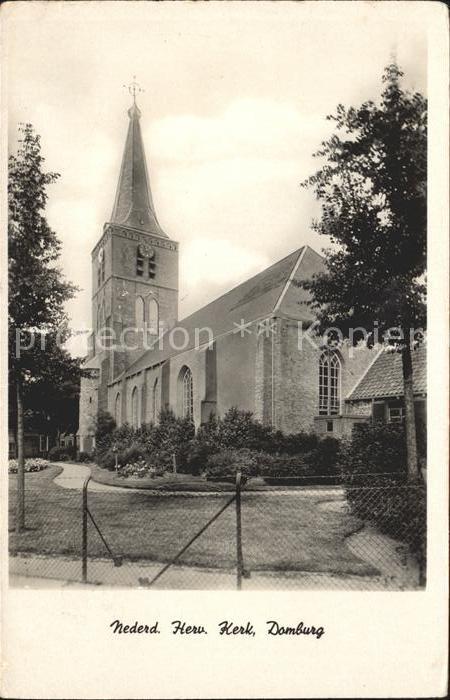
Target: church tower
134	275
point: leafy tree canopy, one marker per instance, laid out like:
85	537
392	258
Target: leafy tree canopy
372	190
37	287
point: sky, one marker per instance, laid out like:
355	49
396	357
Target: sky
234	105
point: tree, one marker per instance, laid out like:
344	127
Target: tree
52	397
372	190
37	288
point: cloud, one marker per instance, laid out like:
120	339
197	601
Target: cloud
248	127
209	267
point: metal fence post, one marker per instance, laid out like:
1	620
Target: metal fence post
240	562
84	533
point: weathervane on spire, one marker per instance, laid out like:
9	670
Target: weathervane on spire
134	88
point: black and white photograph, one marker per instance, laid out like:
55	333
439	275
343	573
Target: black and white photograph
218	310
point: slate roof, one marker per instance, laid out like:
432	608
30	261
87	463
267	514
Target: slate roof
274	289
384	379
133	206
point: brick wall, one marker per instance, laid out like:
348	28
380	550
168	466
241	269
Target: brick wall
296	366
196	361
118	292
358	408
88	411
236	371
272	374
268	372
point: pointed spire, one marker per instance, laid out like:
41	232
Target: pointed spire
133	206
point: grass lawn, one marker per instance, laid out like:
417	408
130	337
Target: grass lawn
280	532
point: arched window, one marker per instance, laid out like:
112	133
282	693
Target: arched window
118	410
155	401
101	316
135	422
101	267
186	393
139	310
329	383
153	317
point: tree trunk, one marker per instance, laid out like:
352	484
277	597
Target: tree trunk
20	505
410	419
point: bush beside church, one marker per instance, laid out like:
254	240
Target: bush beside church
218	449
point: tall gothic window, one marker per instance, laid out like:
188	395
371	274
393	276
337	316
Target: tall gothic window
139	308
329	383
118	410
153	317
101	267
186	393
135	422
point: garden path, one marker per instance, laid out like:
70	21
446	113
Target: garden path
73	476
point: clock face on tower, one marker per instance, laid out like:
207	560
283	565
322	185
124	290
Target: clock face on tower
146	261
146	251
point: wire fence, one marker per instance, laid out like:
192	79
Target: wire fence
354	538
357	536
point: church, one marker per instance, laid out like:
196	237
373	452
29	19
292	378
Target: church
250	348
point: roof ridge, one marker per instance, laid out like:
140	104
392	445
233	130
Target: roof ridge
246	281
295	267
197	315
358	382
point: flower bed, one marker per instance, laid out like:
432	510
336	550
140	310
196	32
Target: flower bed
32	464
140	469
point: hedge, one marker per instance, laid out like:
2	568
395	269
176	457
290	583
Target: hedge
374	471
218	448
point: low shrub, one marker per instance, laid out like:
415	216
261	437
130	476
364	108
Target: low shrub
59	454
239	429
373	465
324	457
374	449
397	510
32	464
123	437
104	430
175	436
319	461
198	456
84	457
227	462
106	459
293	444
282	466
134	453
208	434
